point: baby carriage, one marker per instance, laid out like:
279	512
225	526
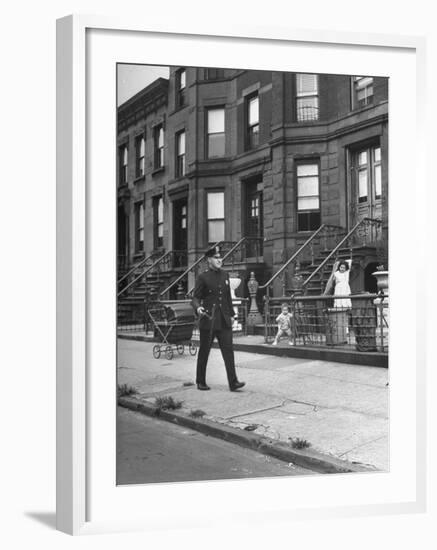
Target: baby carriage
173	325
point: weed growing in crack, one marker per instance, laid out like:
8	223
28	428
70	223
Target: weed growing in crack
167	403
197	413
124	390
298	443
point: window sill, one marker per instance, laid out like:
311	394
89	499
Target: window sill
139	179
180	108
218	79
178	179
159	170
307	122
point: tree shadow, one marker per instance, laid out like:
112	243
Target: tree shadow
46	518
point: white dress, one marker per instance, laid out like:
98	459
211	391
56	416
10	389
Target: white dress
342	288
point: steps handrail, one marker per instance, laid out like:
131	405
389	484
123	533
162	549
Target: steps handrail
190	268
137	266
294	256
159	260
236	245
339	245
240	242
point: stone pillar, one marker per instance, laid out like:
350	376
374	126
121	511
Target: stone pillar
254	316
234	282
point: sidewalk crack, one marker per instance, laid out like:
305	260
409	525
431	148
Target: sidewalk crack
362	445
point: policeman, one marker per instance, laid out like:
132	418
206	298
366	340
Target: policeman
213	304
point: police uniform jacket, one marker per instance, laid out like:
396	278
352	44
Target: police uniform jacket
213	289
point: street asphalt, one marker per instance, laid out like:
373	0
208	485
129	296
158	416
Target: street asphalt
340	410
147	447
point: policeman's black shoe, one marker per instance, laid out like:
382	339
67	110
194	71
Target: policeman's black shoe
203	387
237	386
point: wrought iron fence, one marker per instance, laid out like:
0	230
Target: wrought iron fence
131	316
136	319
357	322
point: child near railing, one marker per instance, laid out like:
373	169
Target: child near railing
285	323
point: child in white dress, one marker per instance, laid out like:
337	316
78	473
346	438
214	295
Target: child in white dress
340	279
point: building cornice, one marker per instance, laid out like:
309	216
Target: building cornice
147	101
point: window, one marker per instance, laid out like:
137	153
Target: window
377	171
123	158
180	88
139	226
308	201
307	99
252	117
363	176
216	216
362	94
159	146
216	133
214	74
180	154
369	174
140	148
184	217
158	221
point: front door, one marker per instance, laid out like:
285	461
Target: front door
366	184
254	218
180	235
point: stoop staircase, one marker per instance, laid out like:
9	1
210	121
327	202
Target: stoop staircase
143	283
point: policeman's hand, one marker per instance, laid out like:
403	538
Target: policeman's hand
201	311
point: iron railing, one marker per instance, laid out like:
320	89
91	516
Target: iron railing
365	232
320	240
246	248
307	112
193	268
324	321
142	263
169	260
138	320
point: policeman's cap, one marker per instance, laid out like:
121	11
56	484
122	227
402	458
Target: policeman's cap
213	251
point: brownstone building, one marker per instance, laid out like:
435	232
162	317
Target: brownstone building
214	155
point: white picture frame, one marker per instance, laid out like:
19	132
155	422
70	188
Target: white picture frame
87	499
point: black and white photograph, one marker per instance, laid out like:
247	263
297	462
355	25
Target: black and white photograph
252	274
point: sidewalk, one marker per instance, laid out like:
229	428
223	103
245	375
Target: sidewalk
256	344
340	409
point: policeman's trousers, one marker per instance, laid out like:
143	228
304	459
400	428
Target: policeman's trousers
224	338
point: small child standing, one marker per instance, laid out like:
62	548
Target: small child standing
284	320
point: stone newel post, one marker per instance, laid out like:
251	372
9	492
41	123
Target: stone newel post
234	283
254	316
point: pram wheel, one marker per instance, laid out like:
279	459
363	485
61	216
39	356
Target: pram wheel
180	349
156	351
169	352
193	348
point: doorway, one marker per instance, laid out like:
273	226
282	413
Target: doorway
180	232
254	226
366	183
369	279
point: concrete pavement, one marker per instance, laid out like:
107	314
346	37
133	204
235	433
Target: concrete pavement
340	409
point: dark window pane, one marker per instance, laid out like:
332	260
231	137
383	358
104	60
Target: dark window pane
308	221
253	137
314	220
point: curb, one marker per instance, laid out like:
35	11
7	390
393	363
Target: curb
351	357
309	459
